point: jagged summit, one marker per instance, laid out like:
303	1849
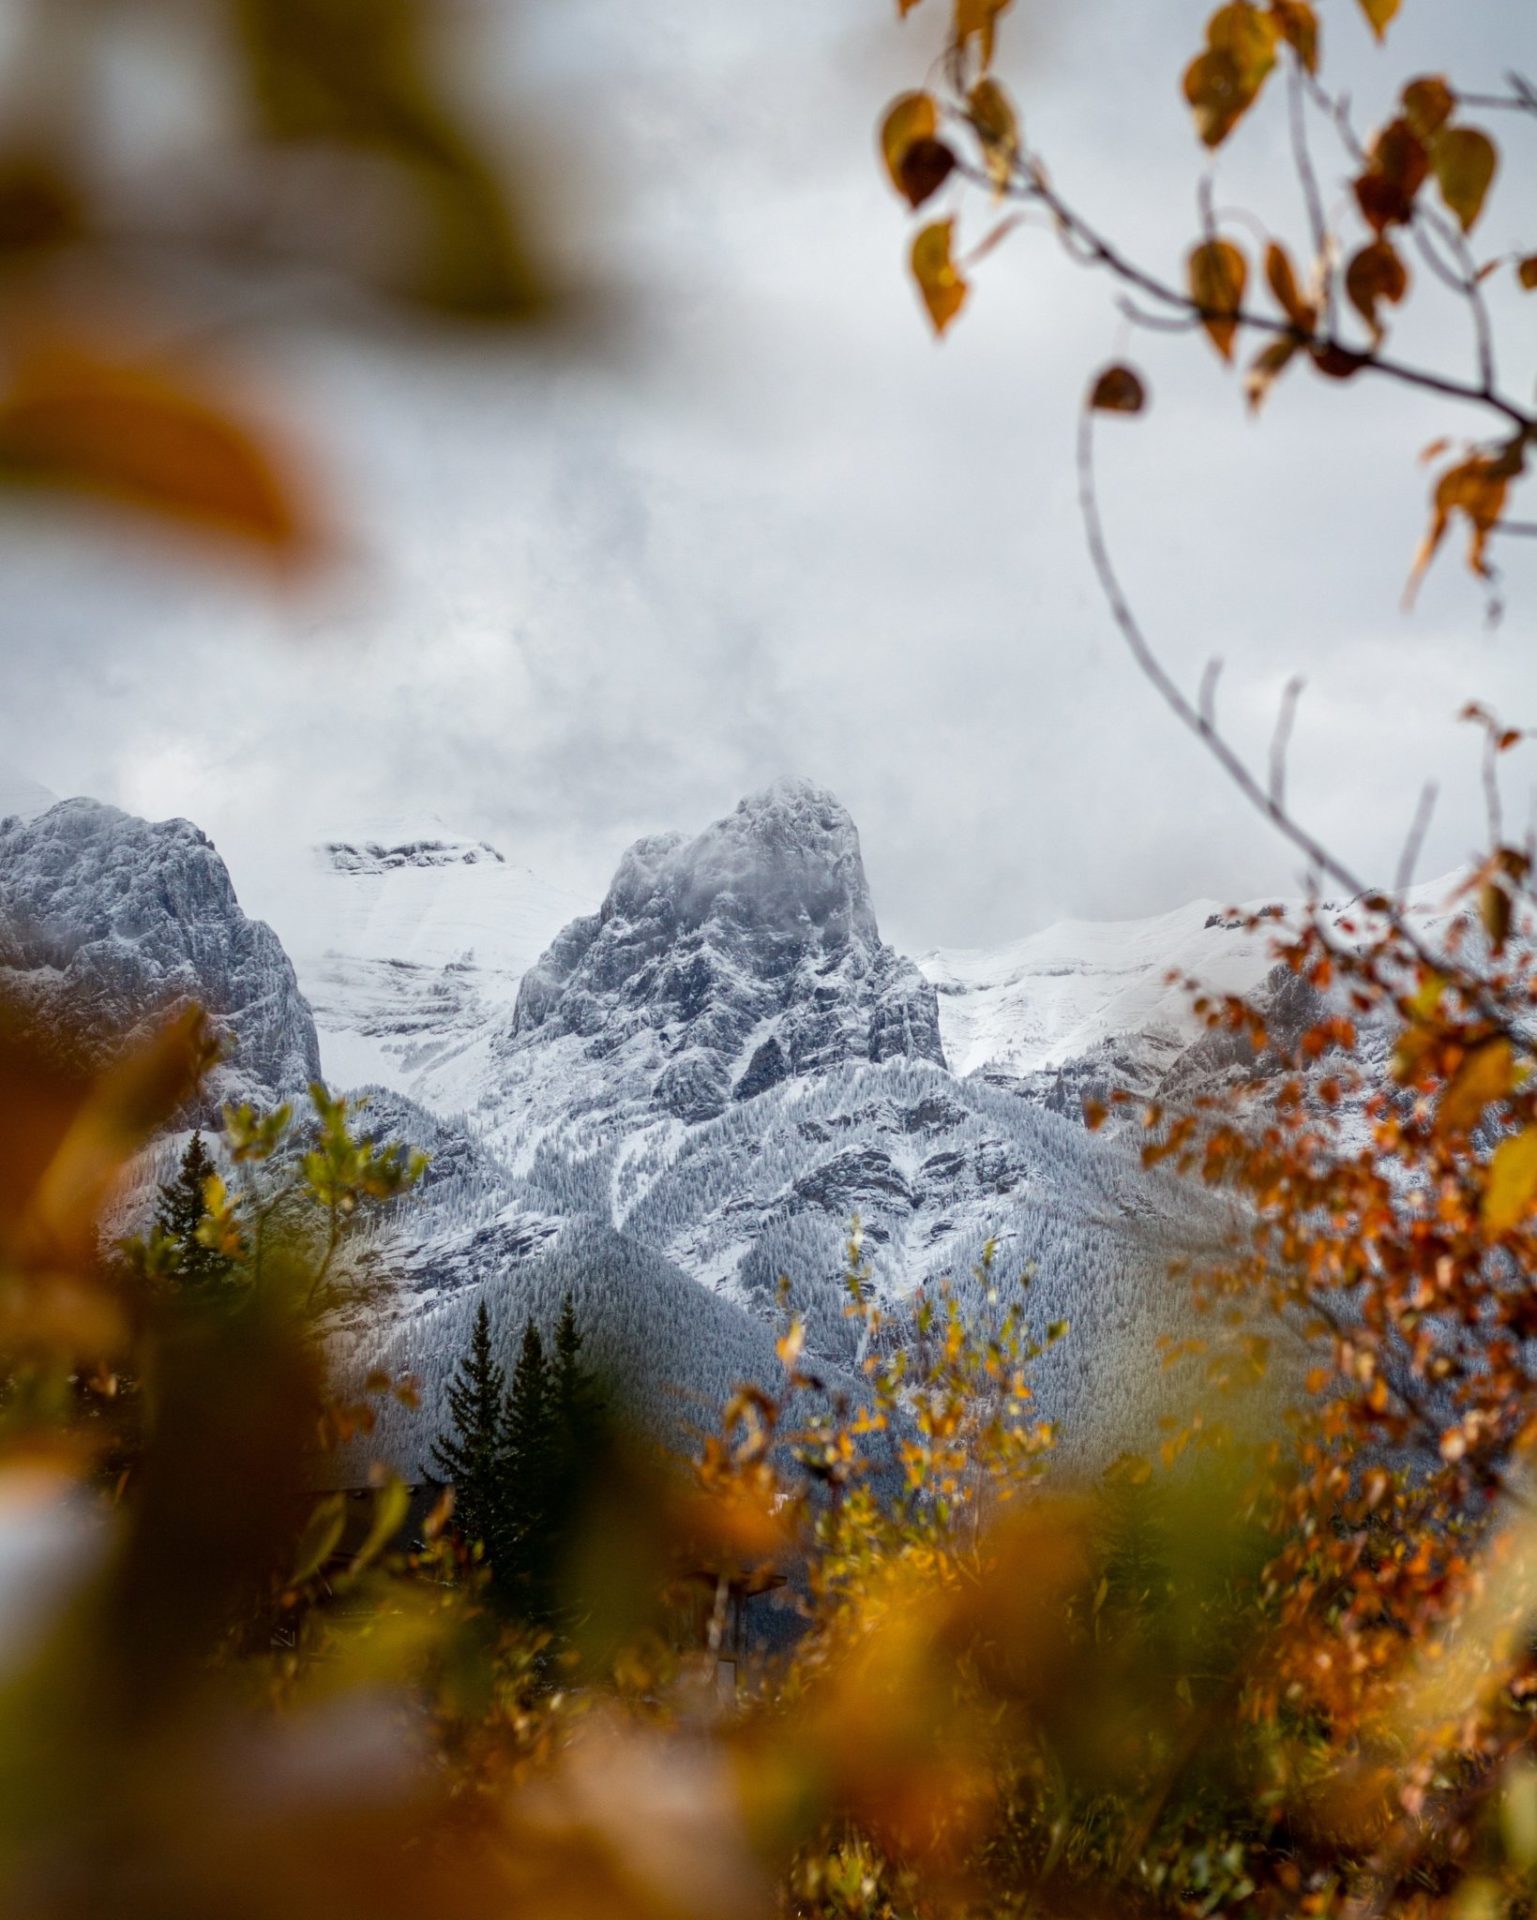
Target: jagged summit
722	964
108	921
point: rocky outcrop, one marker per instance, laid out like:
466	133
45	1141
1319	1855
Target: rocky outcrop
108	922
743	957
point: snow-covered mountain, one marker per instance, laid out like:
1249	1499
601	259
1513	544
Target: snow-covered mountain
108	922
410	940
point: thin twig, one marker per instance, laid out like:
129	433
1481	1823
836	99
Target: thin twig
1418	828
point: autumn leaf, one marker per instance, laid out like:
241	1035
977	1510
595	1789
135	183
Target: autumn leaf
1476	488
1119	389
997	125
1218	276
79	417
1377	273
1299	27
1269	364
977	20
1380	15
911	117
1526	272
939	281
1512	1182
1283	284
1223	82
1485	1076
926	166
1465	161
1428	104
1396	169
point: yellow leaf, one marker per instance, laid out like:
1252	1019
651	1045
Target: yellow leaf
1484	1077
941	284
1299	27
910	117
1380	15
1512	1182
997	125
977	20
1428	104
1218	276
1464	161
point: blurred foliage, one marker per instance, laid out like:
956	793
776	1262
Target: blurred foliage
329	152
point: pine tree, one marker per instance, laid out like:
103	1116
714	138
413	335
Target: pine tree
181	1210
470	1457
527	1466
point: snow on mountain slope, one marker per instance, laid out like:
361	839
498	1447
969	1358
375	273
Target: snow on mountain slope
409	941
22	798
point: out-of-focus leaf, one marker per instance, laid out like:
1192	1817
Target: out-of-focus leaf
977	20
1283	284
1223	82
1218	275
1477	488
1485	1076
84	418
1119	389
940	282
997	125
1299	27
1465	162
1268	365
910	117
1526	272
1396	169
1428	104
40	203
318	1541
926	166
1380	15
392	1502
1376	274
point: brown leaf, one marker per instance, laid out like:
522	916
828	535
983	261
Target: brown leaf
1299	27
1269	364
1375	274
926	166
1119	389
1380	15
1338	363
943	287
1465	161
76	416
910	117
1223	82
997	124
1428	104
1526	272
1218	276
1395	172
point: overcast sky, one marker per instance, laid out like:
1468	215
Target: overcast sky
772	527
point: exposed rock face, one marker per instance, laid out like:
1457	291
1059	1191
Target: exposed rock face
730	962
108	922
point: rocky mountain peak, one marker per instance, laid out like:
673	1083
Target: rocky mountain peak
722	964
107	922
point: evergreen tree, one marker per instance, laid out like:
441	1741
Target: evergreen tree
470	1457
181	1210
527	1464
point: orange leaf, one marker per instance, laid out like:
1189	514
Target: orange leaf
1526	272
943	287
1283	284
75	417
1476	488
1269	363
1218	276
1380	15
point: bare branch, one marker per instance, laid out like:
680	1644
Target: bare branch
1418	828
